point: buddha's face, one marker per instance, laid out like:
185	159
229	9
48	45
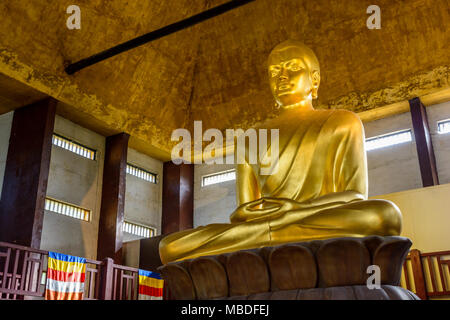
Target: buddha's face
291	78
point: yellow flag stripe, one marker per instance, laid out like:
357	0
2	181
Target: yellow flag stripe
151	282
66	266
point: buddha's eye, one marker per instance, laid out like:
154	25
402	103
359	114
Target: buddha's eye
274	71
294	67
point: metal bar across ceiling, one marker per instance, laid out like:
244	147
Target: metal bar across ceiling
156	34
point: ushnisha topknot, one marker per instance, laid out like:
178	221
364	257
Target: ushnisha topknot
302	50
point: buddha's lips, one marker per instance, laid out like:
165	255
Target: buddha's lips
284	87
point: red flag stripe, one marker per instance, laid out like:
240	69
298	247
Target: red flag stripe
66	276
150	291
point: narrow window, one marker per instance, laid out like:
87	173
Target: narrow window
67	209
142	173
443	126
218	177
138	230
73	146
389	139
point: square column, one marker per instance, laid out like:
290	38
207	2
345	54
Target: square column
110	232
178	197
26	174
425	151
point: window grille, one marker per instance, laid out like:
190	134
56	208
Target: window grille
443	126
389	139
138	230
218	177
73	146
67	209
142	173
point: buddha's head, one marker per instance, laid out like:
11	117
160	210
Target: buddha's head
294	73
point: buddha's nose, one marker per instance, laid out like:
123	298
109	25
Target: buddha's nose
284	75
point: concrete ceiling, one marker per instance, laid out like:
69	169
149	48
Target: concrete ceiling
15	94
215	71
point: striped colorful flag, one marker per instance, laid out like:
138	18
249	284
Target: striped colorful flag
65	277
150	285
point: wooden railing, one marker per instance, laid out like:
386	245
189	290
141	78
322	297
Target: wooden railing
92	282
23	275
427	274
21	270
126	282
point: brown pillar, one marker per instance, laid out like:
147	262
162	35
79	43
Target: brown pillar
110	234
26	174
424	144
178	197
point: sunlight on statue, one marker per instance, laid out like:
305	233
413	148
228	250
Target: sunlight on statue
320	188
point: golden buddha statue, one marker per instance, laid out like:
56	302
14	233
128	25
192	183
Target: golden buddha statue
319	190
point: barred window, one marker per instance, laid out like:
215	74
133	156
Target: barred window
67	209
388	139
138	230
218	177
443	126
73	146
142	173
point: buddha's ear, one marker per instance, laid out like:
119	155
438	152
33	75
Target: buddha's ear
315	79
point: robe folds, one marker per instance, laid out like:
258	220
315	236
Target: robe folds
320	152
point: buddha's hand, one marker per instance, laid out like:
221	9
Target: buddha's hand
264	208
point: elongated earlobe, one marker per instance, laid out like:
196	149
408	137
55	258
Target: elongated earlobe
315	84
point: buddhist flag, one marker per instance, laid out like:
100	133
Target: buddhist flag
150	285
65	277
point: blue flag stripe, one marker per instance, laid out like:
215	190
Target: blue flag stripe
65	257
149	274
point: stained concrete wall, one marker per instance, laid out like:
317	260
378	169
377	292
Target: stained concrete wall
394	168
5	132
213	203
78	181
143	199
